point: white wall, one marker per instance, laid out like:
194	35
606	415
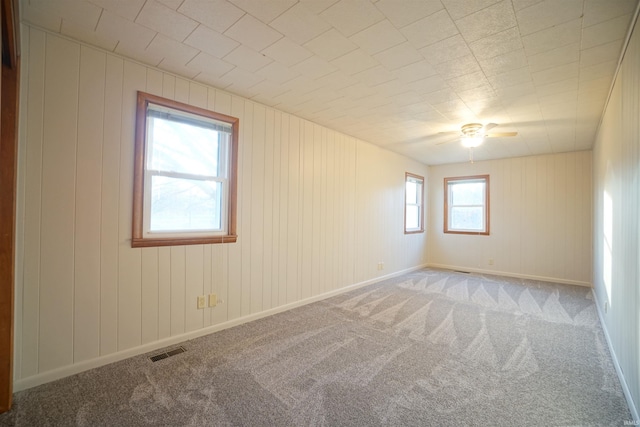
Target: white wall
540	219
318	211
616	273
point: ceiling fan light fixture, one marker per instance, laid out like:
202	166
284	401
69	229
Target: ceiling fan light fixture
472	141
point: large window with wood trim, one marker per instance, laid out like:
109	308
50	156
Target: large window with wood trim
185	174
413	203
466	205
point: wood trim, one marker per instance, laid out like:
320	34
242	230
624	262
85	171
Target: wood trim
138	240
487	202
421	230
9	96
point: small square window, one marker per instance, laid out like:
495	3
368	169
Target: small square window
466	205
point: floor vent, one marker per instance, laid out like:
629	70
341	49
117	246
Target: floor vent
167	354
460	271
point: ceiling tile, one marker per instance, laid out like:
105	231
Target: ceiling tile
211	42
266	11
505	62
278	73
300	24
115	27
399	56
128	9
374	76
555	74
602	53
173	4
430	30
378	37
510	78
82	13
352	16
428	85
468	81
552	58
446	50
409	12
547	14
218	15
354	62
247	59
314	67
459	8
523	4
40	18
552	38
253	33
179	69
209	64
330	45
416	71
604	32
336	81
494	19
458	67
80	32
318	6
287	52
164	20
596	11
165	47
497	44
601	70
569	85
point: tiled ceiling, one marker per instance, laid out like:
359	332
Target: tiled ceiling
402	74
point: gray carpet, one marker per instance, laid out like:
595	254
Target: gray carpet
427	348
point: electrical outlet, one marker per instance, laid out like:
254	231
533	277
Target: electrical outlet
381	266
490	261
213	300
202	303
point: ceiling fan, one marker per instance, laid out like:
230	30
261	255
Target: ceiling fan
473	134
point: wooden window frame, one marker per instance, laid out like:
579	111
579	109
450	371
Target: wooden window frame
487	204
138	239
408	175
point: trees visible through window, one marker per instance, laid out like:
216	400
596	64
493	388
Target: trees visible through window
466	205
414	202
185	174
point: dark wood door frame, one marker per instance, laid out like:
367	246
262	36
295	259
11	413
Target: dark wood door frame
9	83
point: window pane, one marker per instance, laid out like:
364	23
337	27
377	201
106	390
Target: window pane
413	214
184	204
468	193
467	218
184	148
412	192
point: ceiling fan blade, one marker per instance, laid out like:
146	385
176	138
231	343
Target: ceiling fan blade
501	134
489	126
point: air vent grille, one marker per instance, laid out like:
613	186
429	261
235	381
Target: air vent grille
167	354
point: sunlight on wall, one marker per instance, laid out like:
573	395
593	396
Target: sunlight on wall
607	253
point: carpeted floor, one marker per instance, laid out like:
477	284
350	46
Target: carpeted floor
427	348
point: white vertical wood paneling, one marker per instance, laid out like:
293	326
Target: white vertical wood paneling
616	175
86	319
62	59
87	294
535	218
110	198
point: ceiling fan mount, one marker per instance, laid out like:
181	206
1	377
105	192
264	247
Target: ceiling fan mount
471	130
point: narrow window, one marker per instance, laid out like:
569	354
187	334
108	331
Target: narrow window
466	205
413	203
185	174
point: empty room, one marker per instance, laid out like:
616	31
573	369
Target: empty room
320	212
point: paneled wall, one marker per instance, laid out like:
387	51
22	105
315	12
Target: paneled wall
318	211
540	219
616	272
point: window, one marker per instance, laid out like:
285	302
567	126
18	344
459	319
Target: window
184	175
466	205
413	204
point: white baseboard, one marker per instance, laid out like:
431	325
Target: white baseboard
65	371
623	382
510	274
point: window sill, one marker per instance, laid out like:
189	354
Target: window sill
173	241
